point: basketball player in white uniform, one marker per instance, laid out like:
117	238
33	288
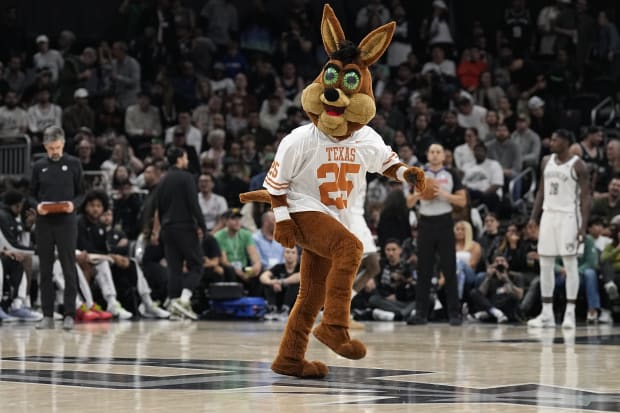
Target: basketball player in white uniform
563	195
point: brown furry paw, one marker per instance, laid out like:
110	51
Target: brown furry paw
296	368
337	338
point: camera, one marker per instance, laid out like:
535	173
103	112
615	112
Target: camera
500	268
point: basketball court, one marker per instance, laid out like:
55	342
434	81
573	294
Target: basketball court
165	366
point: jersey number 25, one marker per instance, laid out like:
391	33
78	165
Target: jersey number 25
341	185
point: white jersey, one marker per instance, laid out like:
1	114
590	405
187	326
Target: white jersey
561	187
319	173
356	223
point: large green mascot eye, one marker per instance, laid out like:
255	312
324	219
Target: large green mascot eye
351	80
330	77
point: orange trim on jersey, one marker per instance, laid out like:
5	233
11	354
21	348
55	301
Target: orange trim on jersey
392	156
274	184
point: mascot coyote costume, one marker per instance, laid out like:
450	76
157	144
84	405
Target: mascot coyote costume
313	184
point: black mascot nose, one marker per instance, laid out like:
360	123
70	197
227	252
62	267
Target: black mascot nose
331	94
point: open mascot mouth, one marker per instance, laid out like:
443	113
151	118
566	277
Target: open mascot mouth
334	110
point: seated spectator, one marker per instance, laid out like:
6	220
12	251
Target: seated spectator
13	119
450	134
506	152
609	206
610	265
488	94
464	154
85	154
15	76
232	183
249	155
142	122
394	219
590	150
263	135
394	293
122	155
211	204
541	122
127	206
470	67
237	118
406	155
79	114
422	135
179	141
528	142
490	238
157	152
596	229
193	137
269	250
48	58
499	294
272	111
506	115
439	64
468	255
125	75
43	114
471	115
281	283
610	168
239	251
513	248
79	72
484	180
110	118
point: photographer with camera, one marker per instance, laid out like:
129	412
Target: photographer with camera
499	294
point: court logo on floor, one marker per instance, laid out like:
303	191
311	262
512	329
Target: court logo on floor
348	385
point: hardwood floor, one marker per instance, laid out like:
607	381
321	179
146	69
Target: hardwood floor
164	366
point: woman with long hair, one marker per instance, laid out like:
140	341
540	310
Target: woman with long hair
468	254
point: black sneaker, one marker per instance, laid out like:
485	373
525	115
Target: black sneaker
456	321
416	321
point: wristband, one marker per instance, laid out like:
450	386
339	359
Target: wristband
400	174
281	213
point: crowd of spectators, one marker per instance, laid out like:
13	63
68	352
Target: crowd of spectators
227	90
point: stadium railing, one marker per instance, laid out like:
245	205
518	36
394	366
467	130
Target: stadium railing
15	156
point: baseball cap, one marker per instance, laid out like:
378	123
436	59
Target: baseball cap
42	39
80	93
232	213
535	103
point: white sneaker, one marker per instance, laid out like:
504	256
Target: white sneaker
605	317
182	309
542	321
153	311
119	312
382	315
502	318
58	316
569	321
481	316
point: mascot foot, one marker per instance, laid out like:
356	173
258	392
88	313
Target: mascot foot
337	338
299	368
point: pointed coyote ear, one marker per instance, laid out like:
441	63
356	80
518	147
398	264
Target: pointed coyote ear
331	31
376	42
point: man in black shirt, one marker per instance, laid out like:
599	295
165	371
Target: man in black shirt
282	283
182	227
56	186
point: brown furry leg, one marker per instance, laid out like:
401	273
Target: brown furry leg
330	239
290	360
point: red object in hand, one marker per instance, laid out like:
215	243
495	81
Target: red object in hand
56	207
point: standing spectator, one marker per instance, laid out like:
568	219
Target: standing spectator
436	31
269	250
436	235
125	75
142	122
48	58
182	227
541	122
79	114
546	33
527	141
56	179
608	49
193	137
517	27
13	119
563	197
471	66
373	15
78	72
394	218
211	204
590	150
272	111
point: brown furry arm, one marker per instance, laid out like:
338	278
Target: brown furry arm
285	230
413	175
255	196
